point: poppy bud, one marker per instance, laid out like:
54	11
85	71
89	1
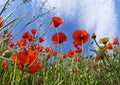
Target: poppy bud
93	36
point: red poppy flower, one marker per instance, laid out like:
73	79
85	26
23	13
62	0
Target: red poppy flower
59	38
70	53
40	48
64	55
4	64
34	46
40	39
54	53
12	44
80	36
28	59
22	42
30	37
21	57
115	41
25	58
109	46
9	35
56	21
76	43
1	21
31	57
78	50
34	68
14	57
33	30
25	35
49	50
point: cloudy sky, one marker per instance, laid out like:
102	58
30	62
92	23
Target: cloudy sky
99	16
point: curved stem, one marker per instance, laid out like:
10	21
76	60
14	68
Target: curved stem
96	43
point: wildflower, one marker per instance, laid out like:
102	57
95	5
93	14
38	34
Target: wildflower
21	57
64	55
31	56
59	38
56	21
1	21
12	44
40	39
25	35
78	50
80	36
75	43
22	42
33	30
35	46
4	64
40	48
109	46
104	40
115	41
75	70
30	37
70	53
14	57
25	58
49	50
9	35
34	68
54	53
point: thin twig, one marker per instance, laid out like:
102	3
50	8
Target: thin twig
12	12
34	18
4	8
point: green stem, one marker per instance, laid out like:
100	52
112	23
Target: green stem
5	58
21	78
96	43
82	49
14	72
58	40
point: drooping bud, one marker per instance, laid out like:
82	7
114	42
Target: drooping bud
93	36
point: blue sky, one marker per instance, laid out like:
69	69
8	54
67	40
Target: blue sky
99	16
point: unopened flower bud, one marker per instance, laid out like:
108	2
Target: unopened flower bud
93	36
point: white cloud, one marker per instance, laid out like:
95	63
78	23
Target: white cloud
99	16
94	15
2	1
